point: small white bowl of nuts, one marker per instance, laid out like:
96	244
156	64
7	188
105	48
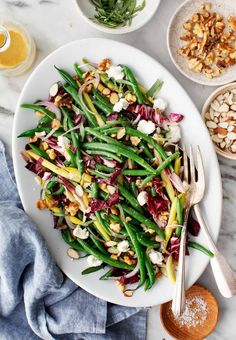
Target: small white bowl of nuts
219	114
201	40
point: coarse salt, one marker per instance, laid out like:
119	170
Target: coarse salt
195	312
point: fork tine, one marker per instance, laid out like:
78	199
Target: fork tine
185	159
200	169
192	166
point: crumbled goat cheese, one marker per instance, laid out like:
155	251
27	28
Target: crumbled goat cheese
174	134
123	246
93	261
142	198
156	257
115	72
146	127
160	104
122	104
81	233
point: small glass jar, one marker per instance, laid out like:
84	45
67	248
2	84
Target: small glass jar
17	49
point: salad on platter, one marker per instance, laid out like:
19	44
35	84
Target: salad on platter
107	157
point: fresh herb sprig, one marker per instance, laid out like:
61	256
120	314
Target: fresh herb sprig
116	13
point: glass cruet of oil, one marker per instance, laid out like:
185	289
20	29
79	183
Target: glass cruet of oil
17	49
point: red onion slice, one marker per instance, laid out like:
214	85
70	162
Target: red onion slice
49	134
176	181
51	107
134	272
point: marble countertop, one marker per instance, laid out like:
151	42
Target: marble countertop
53	23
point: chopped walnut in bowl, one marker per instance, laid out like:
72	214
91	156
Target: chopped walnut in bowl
209	42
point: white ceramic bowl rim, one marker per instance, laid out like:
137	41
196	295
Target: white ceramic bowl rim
120	30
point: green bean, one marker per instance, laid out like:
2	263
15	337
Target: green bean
111	130
146	242
106	139
104	258
132	132
59	191
51	184
146	150
161	167
92	270
155	88
147	284
72	157
77	159
139	253
94	188
102	222
98	245
109	124
67	77
179	208
31	133
150	271
44	121
119	150
97	173
106	154
199	247
67	236
102	167
78	71
106	275
102	107
135	172
130	76
41	109
132	200
89	115
153	192
142	219
102	100
39	152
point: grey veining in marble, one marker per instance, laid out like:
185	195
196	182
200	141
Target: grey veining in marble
53	23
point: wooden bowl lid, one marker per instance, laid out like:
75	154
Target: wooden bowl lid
200	330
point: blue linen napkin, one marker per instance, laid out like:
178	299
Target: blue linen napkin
36	299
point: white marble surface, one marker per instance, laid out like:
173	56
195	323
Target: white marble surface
53	23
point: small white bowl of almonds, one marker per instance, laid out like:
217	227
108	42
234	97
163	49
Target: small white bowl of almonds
219	114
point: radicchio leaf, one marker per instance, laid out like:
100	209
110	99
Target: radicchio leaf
156	205
142	111
130	280
175	117
173	247
193	226
111	178
36	167
112	116
98	204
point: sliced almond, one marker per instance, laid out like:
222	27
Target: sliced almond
233	107
211	124
215	105
216	139
72	253
110	244
223	125
231	136
224	108
120	133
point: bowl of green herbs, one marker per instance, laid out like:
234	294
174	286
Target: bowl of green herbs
117	16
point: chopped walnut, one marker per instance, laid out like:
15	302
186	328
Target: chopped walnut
72	208
209	49
40	204
104	64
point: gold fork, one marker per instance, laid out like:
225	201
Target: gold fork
194	194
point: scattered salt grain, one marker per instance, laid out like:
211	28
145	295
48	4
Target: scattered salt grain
195	312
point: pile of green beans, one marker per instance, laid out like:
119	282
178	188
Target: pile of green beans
102	159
